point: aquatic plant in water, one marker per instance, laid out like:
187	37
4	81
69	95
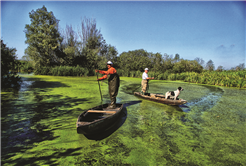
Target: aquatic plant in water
208	130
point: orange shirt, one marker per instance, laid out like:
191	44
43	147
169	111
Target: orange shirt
111	70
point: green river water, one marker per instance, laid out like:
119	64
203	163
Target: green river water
38	125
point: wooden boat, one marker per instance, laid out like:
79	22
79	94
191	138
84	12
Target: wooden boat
95	119
160	98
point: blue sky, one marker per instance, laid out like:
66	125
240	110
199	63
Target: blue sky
208	30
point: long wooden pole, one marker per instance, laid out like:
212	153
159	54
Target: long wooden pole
100	91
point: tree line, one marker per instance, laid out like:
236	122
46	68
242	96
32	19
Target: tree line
55	51
50	46
9	79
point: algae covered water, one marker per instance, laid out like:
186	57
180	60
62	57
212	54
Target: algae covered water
38	125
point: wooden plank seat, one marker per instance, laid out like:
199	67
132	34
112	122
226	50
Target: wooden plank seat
99	111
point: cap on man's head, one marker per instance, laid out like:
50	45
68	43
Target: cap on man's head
146	69
109	63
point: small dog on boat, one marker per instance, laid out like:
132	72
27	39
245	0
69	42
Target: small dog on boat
173	94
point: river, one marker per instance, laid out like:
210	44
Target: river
38	125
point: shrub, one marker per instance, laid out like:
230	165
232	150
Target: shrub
64	71
172	77
223	78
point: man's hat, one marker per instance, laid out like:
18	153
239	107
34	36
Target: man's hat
146	69
109	63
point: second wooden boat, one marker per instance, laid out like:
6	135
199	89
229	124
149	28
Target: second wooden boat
95	119
160	98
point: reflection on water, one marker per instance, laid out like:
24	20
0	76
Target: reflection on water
207	101
204	131
198	105
23	111
120	121
25	84
17	123
203	104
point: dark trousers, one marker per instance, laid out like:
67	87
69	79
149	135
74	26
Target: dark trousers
113	87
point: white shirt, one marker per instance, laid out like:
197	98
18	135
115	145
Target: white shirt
144	76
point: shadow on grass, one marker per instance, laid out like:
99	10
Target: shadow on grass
21	121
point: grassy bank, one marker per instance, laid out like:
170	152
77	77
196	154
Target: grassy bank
222	78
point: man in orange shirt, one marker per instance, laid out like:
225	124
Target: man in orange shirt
113	82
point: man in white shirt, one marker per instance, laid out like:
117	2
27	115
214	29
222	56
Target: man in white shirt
145	79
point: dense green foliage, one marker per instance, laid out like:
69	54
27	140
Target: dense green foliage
64	71
210	65
69	53
23	66
8	62
225	78
49	47
91	51
43	37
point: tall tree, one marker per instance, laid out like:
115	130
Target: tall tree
8	64
220	68
70	47
135	60
43	37
94	47
157	62
240	66
187	66
210	65
176	58
70	36
200	61
91	53
8	58
88	30
108	53
168	62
